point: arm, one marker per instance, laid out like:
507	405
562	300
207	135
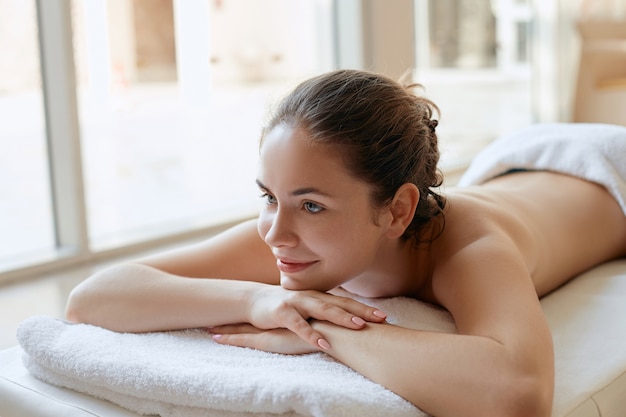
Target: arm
138	298
178	290
500	363
159	293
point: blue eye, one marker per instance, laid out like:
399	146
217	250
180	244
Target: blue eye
312	207
269	199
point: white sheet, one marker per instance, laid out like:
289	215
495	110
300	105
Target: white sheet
592	151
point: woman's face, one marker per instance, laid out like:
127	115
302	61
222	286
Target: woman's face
317	218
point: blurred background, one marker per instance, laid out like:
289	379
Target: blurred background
129	126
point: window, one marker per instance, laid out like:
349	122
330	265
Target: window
153	108
158	106
473	60
172	96
26	225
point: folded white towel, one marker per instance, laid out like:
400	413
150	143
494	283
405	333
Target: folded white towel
595	152
185	373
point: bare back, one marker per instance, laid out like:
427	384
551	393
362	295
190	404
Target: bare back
561	225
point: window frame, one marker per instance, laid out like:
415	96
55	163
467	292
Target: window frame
63	141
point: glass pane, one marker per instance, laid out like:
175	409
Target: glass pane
477	70
26	226
522	42
462	34
172	101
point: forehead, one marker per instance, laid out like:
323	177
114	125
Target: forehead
287	154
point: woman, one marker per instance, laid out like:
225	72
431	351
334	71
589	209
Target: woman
348	171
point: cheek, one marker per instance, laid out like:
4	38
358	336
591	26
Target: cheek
263	224
341	250
360	245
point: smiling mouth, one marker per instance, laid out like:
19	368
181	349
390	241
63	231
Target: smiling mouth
292	267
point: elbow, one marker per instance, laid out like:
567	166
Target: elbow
73	315
75	309
104	299
86	301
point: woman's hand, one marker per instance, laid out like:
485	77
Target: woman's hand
274	307
273	340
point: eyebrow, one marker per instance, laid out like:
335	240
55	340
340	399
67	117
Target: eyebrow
299	191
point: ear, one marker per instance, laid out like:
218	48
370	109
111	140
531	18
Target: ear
402	209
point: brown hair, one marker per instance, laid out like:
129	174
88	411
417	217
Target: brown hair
381	128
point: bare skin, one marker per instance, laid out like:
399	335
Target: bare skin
505	244
561	225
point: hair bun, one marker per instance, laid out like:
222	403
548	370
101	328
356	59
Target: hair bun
432	124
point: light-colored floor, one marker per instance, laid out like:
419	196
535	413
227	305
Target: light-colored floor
473	114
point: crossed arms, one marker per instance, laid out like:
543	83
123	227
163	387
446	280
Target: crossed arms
500	363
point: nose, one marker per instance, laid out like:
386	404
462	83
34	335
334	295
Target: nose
277	229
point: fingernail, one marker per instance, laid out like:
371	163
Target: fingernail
216	336
358	321
380	314
323	344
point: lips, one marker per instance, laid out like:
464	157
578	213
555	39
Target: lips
290	266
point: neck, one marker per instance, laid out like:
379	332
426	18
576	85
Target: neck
401	268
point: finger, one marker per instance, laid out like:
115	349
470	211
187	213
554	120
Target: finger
303	329
341	311
242	334
277	340
237	339
359	309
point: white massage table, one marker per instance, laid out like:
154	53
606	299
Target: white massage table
587	316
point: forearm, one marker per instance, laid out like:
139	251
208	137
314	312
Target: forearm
137	298
443	374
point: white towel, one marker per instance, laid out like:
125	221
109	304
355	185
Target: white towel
595	152
185	373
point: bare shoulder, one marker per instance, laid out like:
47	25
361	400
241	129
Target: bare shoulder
507	243
558	225
238	253
485	285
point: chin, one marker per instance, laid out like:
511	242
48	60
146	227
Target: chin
289	283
